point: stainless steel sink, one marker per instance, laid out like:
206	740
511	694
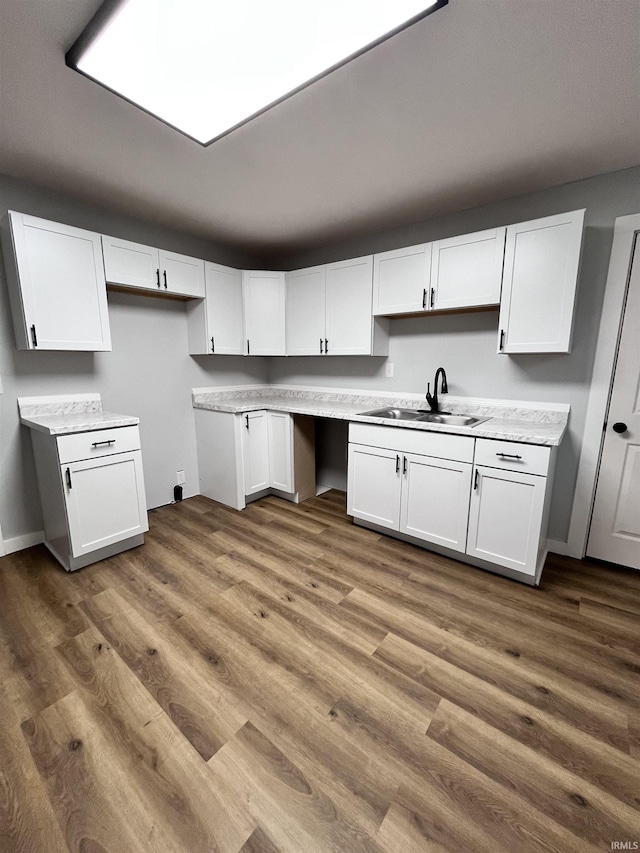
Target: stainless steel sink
452	420
394	414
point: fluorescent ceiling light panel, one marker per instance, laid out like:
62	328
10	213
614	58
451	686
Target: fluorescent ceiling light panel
205	66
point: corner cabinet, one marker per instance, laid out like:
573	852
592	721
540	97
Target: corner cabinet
247	455
264	312
133	265
329	311
92	492
539	285
56	285
215	324
482	501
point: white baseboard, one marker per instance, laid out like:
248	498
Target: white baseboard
557	547
19	543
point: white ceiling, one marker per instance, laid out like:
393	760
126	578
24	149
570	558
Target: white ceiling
480	101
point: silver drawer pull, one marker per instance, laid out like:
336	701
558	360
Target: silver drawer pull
509	455
102	443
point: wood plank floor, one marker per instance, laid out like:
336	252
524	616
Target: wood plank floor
280	680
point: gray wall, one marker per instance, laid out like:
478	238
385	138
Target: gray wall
465	344
148	373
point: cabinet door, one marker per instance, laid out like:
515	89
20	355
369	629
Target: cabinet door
224	310
373	485
306	311
505	518
467	271
435	500
280	428
539	286
105	501
181	275
401	280
256	452
131	264
349	307
63	296
264	301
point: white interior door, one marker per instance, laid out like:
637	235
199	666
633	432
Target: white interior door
615	524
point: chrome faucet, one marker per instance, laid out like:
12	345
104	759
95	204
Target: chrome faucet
432	399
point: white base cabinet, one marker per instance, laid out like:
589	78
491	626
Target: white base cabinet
56	285
425	487
416	483
244	456
92	492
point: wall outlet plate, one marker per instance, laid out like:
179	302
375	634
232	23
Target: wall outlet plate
180	478
388	369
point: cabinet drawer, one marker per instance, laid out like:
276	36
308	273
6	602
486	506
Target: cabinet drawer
442	445
513	456
100	442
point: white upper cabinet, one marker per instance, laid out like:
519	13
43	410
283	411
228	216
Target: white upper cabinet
467	271
182	275
215	324
402	280
539	285
130	264
329	311
306	308
57	286
351	327
264	312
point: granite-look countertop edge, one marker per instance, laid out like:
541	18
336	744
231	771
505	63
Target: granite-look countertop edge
70	422
527	431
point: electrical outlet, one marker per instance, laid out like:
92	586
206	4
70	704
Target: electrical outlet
388	369
180	478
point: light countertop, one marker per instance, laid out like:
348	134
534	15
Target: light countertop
530	423
64	414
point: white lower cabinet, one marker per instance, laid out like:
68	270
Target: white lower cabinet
420	495
505	518
374	484
424	486
256	452
92	493
268	452
435	500
242	455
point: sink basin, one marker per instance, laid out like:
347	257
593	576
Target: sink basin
395	414
451	420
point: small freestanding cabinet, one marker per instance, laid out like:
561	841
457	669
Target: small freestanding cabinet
91	485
